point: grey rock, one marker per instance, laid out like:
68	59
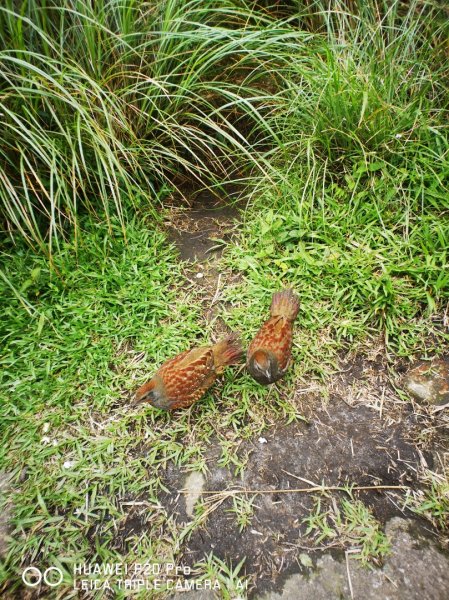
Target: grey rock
429	382
414	570
194	486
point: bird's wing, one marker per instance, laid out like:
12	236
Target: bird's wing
264	338
188	373
192	356
173	361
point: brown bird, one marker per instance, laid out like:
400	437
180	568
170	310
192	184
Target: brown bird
269	353
184	379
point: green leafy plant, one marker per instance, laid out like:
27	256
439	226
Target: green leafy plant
243	508
433	502
351	524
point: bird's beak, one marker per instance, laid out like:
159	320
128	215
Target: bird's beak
138	401
140	398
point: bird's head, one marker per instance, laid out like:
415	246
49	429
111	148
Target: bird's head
150	392
263	367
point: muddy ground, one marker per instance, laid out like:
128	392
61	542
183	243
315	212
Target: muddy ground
341	444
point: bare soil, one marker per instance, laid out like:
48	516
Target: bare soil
341	444
197	226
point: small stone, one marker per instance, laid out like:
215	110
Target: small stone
199	275
193	487
23	474
45	439
305	560
429	382
69	464
263	440
45	427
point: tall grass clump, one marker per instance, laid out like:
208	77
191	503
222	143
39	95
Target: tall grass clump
358	216
373	85
102	102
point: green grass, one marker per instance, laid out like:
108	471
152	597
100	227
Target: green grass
351	525
343	122
73	353
232	583
433	502
356	215
78	339
104	101
243	508
363	263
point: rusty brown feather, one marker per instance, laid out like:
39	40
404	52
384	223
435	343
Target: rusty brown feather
184	379
269	353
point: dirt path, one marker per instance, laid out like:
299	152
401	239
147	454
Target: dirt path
199	232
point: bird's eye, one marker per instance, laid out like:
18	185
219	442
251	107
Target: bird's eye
145	396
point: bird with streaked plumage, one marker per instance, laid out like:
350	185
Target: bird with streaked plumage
269	353
184	379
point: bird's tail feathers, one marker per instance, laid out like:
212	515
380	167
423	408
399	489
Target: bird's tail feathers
285	304
228	351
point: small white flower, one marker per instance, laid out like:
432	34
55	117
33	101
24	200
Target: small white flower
263	440
398	136
69	464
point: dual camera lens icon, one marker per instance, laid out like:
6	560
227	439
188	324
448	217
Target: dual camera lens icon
32	576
